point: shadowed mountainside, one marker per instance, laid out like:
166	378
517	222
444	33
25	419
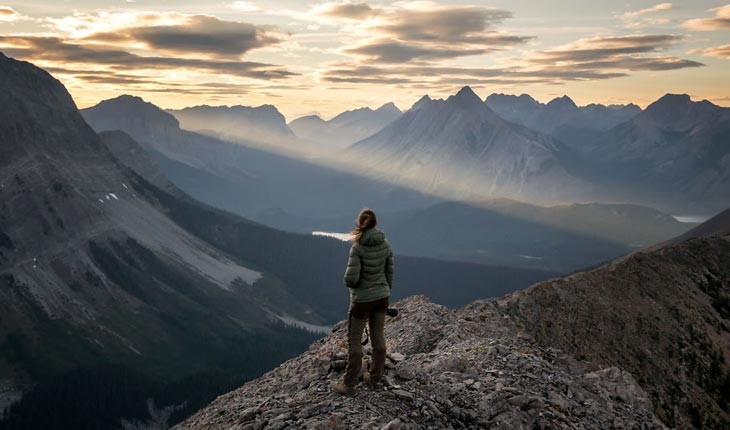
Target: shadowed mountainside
663	315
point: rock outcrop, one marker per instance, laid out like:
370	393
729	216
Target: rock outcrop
662	315
447	369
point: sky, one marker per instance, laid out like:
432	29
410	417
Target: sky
324	57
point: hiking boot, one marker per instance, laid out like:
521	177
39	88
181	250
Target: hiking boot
343	389
368	379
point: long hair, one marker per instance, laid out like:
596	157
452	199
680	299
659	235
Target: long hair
365	219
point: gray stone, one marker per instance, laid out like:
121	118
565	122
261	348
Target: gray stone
403	394
393	425
338	365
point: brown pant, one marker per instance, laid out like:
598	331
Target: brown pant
373	314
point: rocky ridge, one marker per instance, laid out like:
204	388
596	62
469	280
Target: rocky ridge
447	369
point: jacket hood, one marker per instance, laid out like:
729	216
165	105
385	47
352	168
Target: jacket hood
372	237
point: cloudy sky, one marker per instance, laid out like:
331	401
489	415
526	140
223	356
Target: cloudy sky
324	57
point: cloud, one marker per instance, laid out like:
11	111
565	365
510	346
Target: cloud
646	17
603	48
347	10
201	34
460	24
722	51
389	51
7	14
597	58
430	32
649	10
152	84
244	6
59	51
411	75
721	21
647	22
152	51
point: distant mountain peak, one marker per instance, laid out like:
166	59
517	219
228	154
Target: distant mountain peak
522	97
466	97
315	118
129	106
669	107
421	102
563	102
671	100
389	107
128	97
466	91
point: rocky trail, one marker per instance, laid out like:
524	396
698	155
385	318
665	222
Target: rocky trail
447	369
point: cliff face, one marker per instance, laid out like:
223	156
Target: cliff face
447	369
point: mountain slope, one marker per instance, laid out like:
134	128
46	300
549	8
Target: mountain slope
347	127
461	148
718	225
662	315
675	153
262	124
131	154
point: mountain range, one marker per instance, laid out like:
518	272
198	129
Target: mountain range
561	117
346	128
303	196
460	147
463	148
245	180
675	151
673	155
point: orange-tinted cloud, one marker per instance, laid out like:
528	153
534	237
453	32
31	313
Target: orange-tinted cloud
596	58
7	14
202	34
722	51
649	10
58	50
348	10
434	33
721	21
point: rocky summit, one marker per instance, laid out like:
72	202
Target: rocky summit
447	369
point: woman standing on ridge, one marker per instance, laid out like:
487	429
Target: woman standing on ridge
369	277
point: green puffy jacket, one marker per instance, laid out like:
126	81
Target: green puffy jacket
369	274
